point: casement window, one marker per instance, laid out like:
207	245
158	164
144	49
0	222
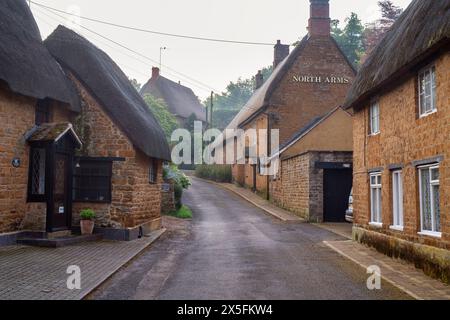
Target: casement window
92	181
36	183
430	212
153	171
397	197
375	199
42	112
427	91
374	117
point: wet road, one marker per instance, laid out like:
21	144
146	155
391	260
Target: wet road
232	250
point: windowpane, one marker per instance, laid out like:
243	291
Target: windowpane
38	171
375	196
374	118
92	181
398	199
426	200
436	208
153	172
427	91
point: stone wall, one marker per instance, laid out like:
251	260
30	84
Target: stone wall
168	198
404	138
134	200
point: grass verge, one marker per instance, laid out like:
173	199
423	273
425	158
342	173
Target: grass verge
183	213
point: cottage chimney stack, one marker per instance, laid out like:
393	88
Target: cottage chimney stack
319	21
259	80
155	73
281	51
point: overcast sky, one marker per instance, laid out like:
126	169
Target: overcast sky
210	65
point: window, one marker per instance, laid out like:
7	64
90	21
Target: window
92	181
429	200
375	198
37	174
42	112
397	196
427	91
374	117
153	171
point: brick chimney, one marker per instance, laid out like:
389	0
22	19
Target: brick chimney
259	80
281	52
155	73
319	21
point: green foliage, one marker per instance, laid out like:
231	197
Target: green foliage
87	214
171	172
178	194
350	38
166	120
218	173
182	213
228	104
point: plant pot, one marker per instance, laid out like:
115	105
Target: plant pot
87	226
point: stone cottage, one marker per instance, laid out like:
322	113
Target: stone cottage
118	170
401	130
306	84
71	139
181	100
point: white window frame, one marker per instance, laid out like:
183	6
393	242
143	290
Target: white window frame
397	200
374	120
433	232
431	70
378	220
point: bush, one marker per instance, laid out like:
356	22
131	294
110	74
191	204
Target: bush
182	213
178	194
218	173
87	214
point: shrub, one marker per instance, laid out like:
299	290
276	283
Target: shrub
218	173
178	194
87	214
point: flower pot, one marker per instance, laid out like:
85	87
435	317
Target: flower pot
87	226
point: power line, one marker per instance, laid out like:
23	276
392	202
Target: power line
156	32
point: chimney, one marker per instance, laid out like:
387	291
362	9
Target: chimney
259	80
281	52
155	73
319	21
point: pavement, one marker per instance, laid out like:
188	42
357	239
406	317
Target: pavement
31	273
234	250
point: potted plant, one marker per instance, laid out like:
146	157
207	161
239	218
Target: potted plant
87	221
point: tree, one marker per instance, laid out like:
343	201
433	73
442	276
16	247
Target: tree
350	39
166	120
136	84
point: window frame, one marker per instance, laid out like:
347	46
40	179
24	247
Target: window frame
32	197
397	201
374	103
433	232
376	186
108	198
432	70
43	108
153	172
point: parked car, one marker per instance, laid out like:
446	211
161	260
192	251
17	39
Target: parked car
349	212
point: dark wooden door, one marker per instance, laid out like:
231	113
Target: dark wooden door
61	196
337	186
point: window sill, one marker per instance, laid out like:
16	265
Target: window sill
431	234
375	134
376	225
427	114
397	228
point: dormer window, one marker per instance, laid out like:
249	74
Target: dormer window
427	91
43	112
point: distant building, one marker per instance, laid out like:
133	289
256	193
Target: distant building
181	100
401	130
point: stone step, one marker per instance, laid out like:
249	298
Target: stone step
60	241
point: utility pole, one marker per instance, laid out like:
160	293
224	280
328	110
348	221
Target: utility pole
212	107
160	57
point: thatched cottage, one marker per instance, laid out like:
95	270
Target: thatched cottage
71	139
180	100
401	130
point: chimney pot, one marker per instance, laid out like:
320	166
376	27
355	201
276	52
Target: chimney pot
259	80
281	51
155	72
319	21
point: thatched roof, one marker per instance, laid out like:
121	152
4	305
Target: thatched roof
180	100
25	64
419	33
112	89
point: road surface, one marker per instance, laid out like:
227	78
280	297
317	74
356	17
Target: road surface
233	250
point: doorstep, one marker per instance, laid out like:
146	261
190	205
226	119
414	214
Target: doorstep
57	242
401	274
